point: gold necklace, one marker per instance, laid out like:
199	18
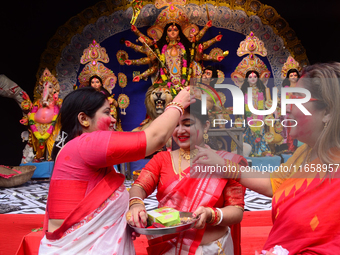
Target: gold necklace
173	43
187	155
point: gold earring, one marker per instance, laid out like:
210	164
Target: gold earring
178	38
325	125
85	123
167	39
206	137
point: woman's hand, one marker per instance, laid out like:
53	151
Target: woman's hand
204	216
137	216
184	98
207	156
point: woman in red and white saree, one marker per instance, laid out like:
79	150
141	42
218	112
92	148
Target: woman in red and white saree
191	191
87	200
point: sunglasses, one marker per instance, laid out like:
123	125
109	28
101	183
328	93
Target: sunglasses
300	97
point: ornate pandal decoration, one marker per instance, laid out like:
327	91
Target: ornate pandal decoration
161	3
123	102
122	80
251	46
92	57
94	52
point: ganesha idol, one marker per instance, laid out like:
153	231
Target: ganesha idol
42	115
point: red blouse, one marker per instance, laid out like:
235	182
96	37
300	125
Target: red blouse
84	161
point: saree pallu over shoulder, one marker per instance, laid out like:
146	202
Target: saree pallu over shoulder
187	195
305	210
103	231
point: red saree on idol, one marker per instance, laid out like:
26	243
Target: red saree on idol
306	207
186	195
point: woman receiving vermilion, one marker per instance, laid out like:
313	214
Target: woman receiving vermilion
217	202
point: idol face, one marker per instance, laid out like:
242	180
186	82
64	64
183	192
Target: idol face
172	32
252	79
95	83
293	77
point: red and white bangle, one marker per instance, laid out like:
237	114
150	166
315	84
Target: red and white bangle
135	198
221	216
175	106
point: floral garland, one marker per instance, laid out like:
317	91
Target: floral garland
249	116
185	72
31	122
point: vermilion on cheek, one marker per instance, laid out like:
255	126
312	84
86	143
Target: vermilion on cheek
305	126
103	123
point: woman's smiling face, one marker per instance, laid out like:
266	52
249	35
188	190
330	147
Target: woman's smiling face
189	132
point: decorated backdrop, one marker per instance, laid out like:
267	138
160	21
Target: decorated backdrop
234	20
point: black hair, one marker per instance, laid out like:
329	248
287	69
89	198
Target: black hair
87	100
195	109
259	84
286	81
214	76
104	91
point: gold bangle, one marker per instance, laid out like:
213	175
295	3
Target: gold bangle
240	207
135	201
237	172
232	174
217	218
212	216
